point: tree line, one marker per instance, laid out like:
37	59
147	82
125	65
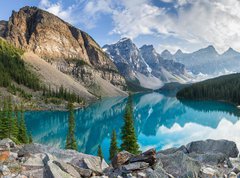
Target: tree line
224	88
13	68
128	135
61	93
12	122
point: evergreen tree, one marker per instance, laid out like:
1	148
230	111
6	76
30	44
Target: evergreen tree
99	152
30	138
71	142
4	121
113	146
129	139
22	134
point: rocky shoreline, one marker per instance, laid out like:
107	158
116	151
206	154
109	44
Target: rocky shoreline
203	159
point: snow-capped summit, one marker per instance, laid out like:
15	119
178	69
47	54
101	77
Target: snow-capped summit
144	66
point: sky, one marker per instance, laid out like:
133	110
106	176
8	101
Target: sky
167	24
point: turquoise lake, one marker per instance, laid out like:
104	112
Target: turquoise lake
160	121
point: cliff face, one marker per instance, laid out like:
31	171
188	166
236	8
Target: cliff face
69	49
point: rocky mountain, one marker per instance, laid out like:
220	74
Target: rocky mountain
144	65
65	47
207	61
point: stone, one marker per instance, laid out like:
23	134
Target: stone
83	172
232	175
235	162
148	157
54	171
4	156
135	166
121	158
35	160
209	158
67	168
4	170
228	148
180	165
207	172
94	165
7	143
159	173
174	150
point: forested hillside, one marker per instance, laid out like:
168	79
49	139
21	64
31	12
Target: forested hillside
225	88
12	68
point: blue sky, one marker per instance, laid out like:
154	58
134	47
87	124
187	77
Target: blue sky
167	24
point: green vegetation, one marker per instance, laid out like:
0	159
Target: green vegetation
61	93
113	146
12	68
71	141
224	88
129	138
12	123
99	152
134	86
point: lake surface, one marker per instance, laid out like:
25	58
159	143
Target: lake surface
160	122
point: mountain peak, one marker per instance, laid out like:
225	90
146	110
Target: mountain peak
231	52
166	52
179	52
125	39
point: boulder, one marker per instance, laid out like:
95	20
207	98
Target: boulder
148	157
121	158
209	158
135	166
225	147
4	156
180	165
207	172
4	170
83	172
67	168
159	173
35	160
174	150
6	143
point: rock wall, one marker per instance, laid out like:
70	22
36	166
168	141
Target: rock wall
61	44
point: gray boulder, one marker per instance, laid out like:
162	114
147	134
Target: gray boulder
209	158
225	147
148	157
174	150
135	166
179	164
121	158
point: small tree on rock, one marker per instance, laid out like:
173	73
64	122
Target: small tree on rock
113	147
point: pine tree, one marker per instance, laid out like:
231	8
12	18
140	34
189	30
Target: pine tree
113	146
30	138
129	139
71	141
99	152
4	121
22	134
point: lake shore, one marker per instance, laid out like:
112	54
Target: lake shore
210	158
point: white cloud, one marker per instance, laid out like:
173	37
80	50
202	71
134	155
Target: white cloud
215	22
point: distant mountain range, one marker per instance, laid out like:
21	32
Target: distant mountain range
207	61
151	70
144	65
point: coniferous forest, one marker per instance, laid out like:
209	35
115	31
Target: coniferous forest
12	122
12	68
224	88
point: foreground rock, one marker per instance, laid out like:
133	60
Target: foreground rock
203	159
